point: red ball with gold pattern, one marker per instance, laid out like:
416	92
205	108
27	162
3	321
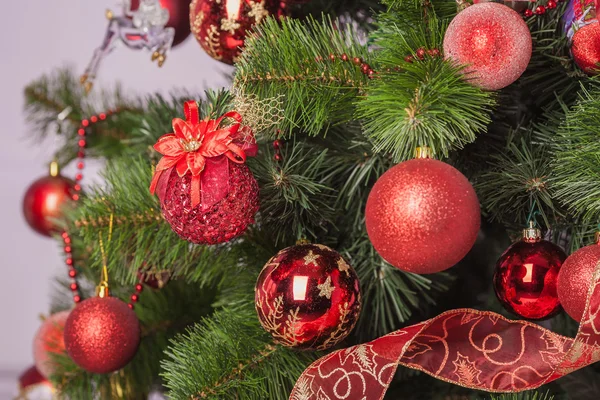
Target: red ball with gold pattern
221	26
526	276
308	297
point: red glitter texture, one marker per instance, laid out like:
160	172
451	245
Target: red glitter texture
586	48
102	334
422	216
49	339
308	297
575	278
43	202
222	222
526	277
493	40
220	26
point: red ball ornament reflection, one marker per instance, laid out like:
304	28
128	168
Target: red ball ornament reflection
493	41
526	277
575	278
422	216
44	200
221	26
34	386
102	334
586	48
49	340
308	297
178	17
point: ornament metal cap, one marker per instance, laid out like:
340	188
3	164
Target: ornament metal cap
532	234
597	237
423	152
54	170
102	290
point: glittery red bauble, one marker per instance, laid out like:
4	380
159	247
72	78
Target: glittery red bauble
422	216
220	26
178	17
48	340
102	334
220	223
493	40
526	277
44	200
586	48
308	297
575	278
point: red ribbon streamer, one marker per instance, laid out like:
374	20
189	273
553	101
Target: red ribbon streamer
204	149
470	348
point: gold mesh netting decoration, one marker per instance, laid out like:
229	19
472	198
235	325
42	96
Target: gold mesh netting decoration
262	115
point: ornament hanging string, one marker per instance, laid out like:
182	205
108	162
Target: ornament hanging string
475	349
103	289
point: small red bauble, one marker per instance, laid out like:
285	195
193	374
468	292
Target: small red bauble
102	334
493	40
49	340
586	48
526	277
308	297
32	385
422	216
575	278
44	200
178	17
221	26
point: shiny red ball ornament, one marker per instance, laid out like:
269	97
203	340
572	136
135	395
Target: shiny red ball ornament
308	297
49	340
102	334
223	221
493	41
34	386
221	26
586	48
178	17
526	276
575	278
422	216
44	201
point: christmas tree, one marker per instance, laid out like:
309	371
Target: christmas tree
392	198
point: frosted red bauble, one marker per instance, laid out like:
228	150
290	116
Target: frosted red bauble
526	278
221	26
422	216
575	278
178	17
49	340
220	223
102	334
586	48
308	297
493	41
44	200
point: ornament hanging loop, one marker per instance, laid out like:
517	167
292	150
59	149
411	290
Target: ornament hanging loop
103	290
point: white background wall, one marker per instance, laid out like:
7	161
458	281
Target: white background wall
36	37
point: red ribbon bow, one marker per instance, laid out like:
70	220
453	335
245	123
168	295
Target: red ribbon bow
204	149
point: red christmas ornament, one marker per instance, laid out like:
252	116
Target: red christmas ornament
308	297
154	279
44	200
493	40
207	194
526	276
422	215
586	48
178	17
221	26
575	278
49	340
32	385
102	334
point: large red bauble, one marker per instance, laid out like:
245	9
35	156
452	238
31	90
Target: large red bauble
422	216
220	26
44	200
493	40
49	340
220	223
586	48
308	297
575	278
32	385
526	277
102	334
178	17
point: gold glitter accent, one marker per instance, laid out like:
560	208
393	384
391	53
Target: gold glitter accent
311	258
326	288
211	42
258	11
229	24
343	266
